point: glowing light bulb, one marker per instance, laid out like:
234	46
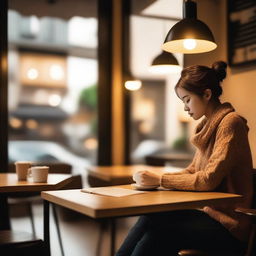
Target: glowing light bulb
91	143
32	74
189	44
133	85
56	72
54	100
31	124
15	123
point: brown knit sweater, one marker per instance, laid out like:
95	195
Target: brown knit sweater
222	163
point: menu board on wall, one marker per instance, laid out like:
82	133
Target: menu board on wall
241	32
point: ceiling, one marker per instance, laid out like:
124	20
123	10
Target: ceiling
165	8
64	9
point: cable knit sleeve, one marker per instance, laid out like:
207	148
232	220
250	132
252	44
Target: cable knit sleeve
191	167
229	134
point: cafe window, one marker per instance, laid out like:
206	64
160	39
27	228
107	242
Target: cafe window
156	116
52	82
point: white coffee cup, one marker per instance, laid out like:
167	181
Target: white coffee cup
21	168
39	173
136	177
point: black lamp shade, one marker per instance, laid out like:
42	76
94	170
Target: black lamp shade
165	58
189	35
189	29
165	63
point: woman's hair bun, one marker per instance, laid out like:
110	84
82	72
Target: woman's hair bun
220	69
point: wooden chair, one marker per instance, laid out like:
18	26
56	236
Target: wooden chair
251	247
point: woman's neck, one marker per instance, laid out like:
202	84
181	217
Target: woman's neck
212	105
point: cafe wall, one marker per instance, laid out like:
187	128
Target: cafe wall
240	86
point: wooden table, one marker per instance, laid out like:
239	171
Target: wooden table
9	185
116	174
97	206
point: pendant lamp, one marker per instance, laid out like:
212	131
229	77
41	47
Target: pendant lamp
164	63
189	35
131	83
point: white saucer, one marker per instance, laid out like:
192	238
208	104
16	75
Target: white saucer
140	187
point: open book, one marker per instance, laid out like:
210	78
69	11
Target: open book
111	191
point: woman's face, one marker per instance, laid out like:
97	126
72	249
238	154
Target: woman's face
195	105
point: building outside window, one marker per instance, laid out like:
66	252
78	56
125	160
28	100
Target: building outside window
53	74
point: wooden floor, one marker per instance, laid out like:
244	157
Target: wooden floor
79	234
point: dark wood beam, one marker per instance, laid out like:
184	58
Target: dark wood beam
126	12
3	87
104	82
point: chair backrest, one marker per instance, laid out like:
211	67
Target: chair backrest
254	189
252	239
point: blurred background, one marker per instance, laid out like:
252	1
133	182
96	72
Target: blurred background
68	66
53	76
53	82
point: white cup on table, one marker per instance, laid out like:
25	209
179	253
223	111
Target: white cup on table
136	177
21	168
39	173
138	185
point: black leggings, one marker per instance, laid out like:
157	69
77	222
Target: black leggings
167	233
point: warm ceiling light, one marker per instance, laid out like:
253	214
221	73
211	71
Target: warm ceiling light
189	44
133	85
90	143
164	63
32	74
15	122
56	72
189	35
32	124
54	100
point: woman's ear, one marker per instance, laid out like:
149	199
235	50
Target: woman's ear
207	94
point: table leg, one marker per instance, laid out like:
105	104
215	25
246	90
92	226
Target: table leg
112	236
47	228
4	214
103	225
55	217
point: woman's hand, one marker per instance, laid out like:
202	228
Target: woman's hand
147	178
